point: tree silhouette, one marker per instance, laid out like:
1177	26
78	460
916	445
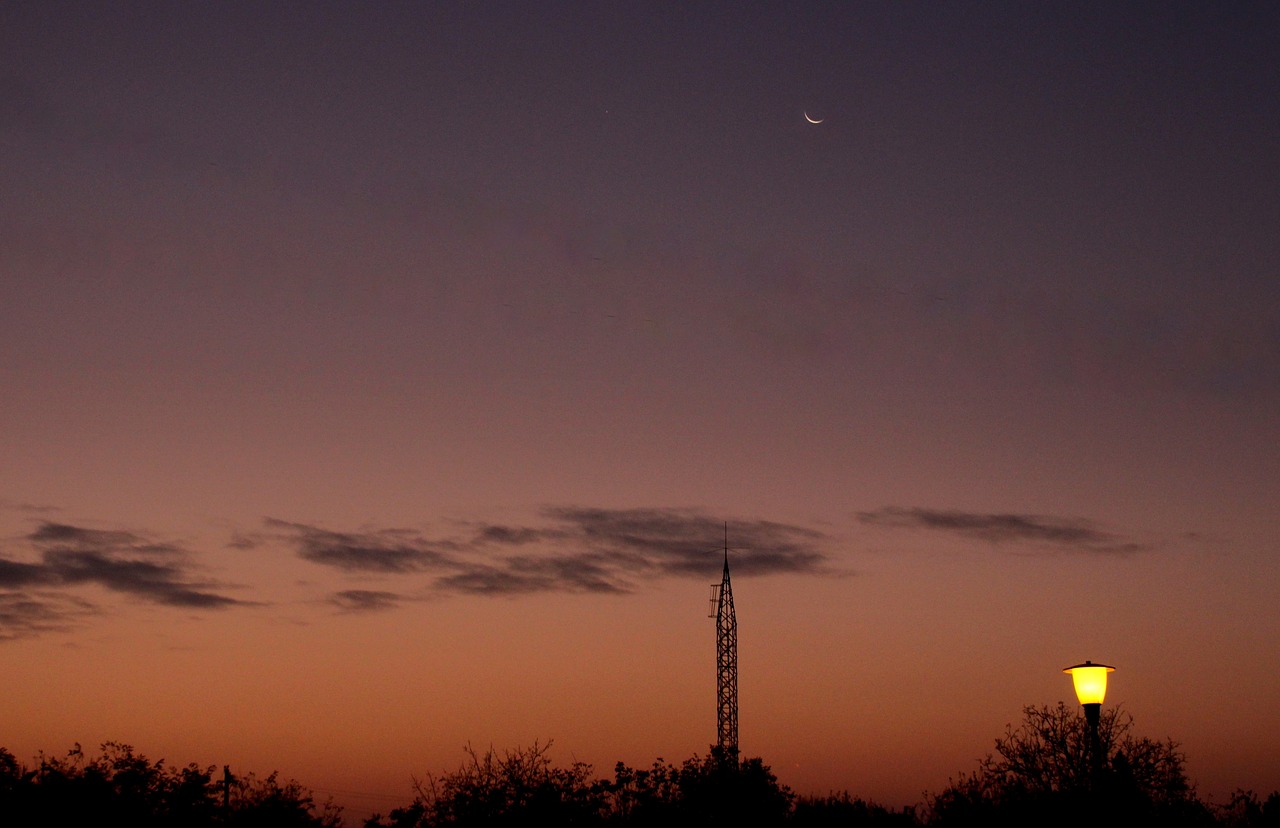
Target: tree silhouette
1041	771
1246	810
718	789
522	787
517	787
847	811
122	787
1039	774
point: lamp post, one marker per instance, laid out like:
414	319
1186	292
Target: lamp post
1090	681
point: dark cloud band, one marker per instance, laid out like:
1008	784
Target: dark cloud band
73	556
25	614
573	549
1004	528
386	550
364	600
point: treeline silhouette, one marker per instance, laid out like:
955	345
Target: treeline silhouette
121	787
1041	773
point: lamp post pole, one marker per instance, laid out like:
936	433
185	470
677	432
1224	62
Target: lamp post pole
1090	681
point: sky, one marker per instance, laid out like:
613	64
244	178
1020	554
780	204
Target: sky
383	378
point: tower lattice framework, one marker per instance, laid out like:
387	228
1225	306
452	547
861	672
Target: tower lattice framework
726	663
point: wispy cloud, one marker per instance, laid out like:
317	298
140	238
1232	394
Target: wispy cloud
122	562
679	541
382	550
1001	528
19	574
67	557
26	508
365	600
23	614
571	549
582	572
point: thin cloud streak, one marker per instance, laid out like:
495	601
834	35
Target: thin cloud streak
26	508
121	562
576	550
384	550
1004	528
24	615
669	540
365	600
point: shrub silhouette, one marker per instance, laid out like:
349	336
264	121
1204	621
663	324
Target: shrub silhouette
522	787
1041	773
847	811
1246	810
122	787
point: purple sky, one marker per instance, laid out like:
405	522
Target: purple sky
402	359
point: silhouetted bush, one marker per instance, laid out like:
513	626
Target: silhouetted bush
522	787
1245	810
1042	773
519	787
119	787
845	811
717	789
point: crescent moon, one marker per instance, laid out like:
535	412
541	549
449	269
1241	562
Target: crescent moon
811	120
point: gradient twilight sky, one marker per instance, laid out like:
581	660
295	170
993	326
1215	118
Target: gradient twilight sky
378	378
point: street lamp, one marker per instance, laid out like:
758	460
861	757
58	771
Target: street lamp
1090	681
1091	687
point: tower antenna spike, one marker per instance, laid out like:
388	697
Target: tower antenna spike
726	661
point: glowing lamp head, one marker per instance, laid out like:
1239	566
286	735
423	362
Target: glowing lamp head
1090	680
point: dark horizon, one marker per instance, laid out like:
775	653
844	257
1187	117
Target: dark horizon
1055	766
